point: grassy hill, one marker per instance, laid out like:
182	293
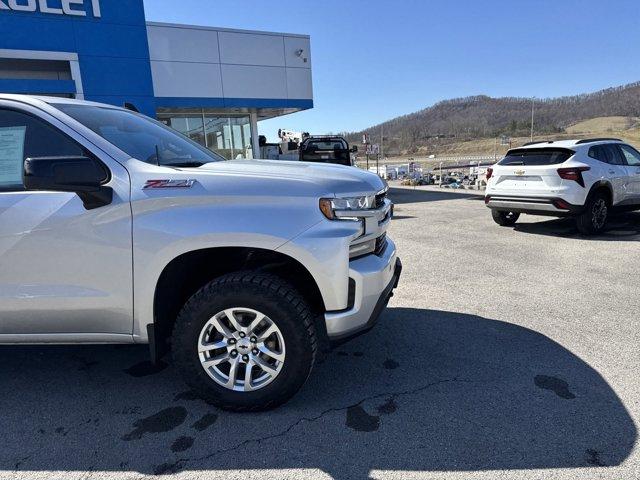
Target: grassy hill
471	125
604	124
624	128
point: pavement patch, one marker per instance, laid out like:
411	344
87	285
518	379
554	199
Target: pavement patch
556	385
161	422
361	421
182	444
388	407
390	364
205	422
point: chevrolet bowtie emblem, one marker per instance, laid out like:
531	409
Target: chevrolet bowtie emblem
519	172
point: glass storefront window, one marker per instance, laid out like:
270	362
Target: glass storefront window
189	126
229	136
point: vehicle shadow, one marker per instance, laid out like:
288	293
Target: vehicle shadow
425	391
401	196
620	227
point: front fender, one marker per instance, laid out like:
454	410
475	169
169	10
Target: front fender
165	228
324	250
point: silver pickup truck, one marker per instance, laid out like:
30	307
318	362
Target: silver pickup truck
116	229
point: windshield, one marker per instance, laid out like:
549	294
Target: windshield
141	137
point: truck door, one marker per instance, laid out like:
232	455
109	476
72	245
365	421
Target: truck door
65	271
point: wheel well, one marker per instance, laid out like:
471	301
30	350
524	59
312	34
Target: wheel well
188	273
602	188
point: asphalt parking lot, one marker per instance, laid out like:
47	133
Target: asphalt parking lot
506	353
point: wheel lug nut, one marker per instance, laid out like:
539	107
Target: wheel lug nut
242	335
232	341
245	358
255	351
254	340
234	353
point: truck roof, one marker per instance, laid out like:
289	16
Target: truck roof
37	100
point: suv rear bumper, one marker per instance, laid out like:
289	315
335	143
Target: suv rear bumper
552	206
375	279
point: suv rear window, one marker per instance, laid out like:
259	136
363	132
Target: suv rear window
537	156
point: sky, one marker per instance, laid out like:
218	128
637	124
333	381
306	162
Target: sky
374	60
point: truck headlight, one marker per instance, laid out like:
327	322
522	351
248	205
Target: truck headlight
330	206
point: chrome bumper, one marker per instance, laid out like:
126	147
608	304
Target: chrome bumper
375	279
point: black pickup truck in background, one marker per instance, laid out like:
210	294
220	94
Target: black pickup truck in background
327	150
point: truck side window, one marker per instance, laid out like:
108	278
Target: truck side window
23	136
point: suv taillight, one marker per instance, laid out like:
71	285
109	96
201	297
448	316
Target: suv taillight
573	173
489	173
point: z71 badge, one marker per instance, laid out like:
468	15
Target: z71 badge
168	184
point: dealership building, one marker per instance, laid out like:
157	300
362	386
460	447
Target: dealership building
212	84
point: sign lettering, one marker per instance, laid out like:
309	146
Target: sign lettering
76	8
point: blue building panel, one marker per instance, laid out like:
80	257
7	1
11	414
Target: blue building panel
57	87
109	40
22	32
113	56
117	76
113	50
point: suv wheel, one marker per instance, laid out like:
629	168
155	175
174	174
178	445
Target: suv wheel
505	219
245	342
594	218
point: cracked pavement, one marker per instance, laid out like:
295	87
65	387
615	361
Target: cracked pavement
506	353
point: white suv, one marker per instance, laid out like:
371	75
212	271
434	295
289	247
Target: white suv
585	179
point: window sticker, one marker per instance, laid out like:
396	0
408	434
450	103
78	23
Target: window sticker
11	155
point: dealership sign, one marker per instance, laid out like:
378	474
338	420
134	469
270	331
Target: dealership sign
77	8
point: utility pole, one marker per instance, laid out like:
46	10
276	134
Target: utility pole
533	107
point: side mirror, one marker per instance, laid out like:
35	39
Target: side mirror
82	175
354	149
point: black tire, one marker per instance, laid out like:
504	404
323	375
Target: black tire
269	295
596	213
505	219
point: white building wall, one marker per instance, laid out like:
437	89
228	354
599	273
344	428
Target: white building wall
207	62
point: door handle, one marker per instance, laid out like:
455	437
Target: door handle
612	172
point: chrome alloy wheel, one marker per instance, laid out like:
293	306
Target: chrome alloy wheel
599	213
241	349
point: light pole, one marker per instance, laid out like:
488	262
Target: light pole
533	107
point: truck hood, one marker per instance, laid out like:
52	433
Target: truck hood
326	178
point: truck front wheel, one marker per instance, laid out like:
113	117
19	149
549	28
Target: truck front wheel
246	342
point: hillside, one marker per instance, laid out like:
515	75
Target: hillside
449	124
